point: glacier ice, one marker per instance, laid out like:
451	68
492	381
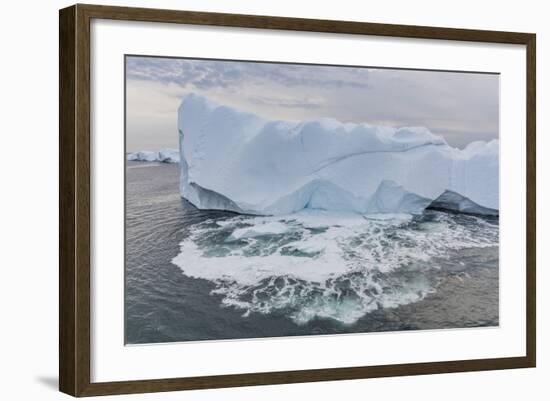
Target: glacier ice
238	161
163	156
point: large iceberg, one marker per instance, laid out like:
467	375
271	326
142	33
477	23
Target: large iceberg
238	161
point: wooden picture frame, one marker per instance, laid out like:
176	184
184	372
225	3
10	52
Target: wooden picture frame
74	199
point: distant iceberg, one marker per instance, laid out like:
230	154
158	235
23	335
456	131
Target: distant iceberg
143	156
237	161
163	156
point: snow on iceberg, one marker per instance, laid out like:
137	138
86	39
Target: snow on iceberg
238	161
163	156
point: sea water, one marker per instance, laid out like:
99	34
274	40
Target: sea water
203	275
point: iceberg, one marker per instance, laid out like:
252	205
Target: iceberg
169	156
163	156
237	161
143	156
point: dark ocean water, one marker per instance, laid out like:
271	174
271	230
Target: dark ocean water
436	271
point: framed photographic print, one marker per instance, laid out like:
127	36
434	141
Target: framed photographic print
250	200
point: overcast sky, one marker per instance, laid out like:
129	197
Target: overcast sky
462	107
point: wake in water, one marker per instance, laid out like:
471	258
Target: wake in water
317	264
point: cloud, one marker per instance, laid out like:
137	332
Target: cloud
207	74
462	107
282	101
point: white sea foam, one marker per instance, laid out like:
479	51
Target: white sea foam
318	264
268	228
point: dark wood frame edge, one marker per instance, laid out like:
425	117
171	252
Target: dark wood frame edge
74	199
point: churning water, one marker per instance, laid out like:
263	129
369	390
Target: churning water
197	275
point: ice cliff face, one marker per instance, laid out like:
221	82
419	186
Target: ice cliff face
233	160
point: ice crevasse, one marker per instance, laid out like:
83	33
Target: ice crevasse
235	160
